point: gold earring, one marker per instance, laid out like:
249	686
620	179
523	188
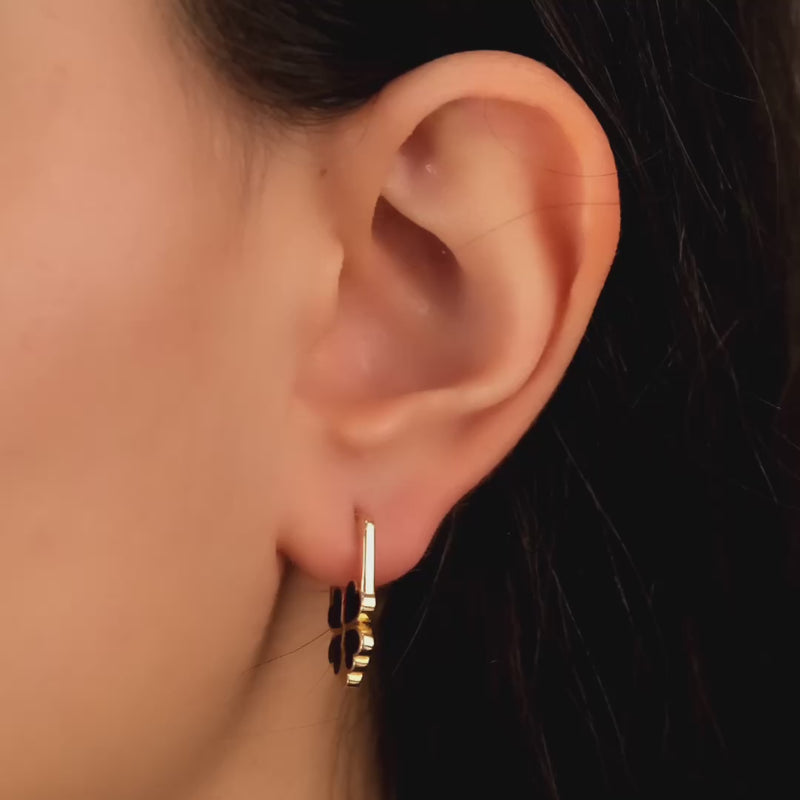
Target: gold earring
349	614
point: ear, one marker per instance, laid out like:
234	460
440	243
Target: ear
475	205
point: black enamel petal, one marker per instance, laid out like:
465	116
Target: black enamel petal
335	653
352	604
352	645
335	609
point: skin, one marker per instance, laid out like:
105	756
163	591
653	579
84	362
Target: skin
212	349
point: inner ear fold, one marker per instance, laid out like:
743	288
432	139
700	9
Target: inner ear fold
521	165
473	245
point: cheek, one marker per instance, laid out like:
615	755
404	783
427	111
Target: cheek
139	447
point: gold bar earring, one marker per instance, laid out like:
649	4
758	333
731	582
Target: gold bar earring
349	614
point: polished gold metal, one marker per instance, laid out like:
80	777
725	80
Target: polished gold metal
368	559
349	614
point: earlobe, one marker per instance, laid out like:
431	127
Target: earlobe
493	220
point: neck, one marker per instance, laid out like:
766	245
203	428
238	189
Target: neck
300	733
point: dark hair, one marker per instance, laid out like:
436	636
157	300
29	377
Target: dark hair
613	612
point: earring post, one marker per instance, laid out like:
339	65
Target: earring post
368	571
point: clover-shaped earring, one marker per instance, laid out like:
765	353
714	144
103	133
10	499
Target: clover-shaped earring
349	616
